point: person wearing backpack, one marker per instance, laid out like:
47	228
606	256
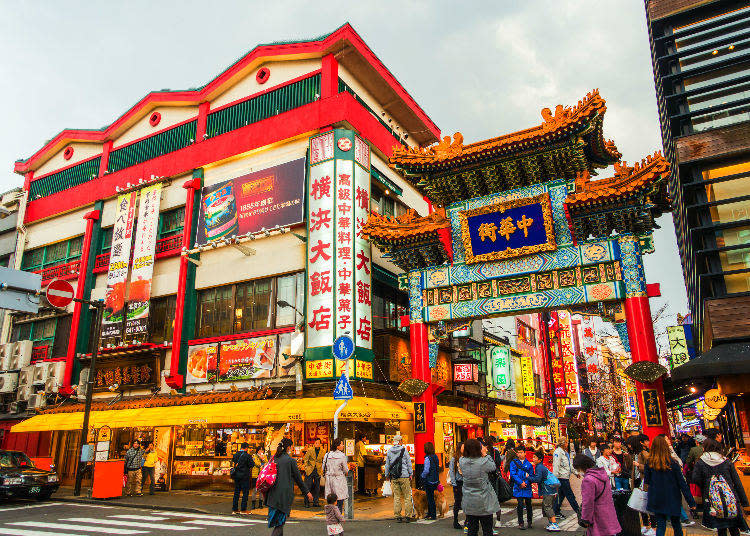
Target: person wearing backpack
398	470
548	485
335	468
723	494
664	484
242	465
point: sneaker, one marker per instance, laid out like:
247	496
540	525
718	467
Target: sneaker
552	527
561	515
466	530
651	532
688	523
644	530
521	527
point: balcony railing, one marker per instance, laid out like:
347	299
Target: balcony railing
60	271
166	247
39	353
67	178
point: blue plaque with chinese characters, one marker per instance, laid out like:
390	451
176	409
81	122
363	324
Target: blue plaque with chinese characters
509	229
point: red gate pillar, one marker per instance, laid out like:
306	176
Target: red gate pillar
641	336
420	369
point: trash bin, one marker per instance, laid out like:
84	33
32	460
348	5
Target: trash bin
629	519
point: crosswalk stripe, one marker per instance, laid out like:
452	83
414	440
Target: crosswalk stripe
234	519
29	506
65	526
212	523
121	523
140	518
6	531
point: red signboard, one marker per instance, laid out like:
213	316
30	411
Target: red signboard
263	199
465	373
60	293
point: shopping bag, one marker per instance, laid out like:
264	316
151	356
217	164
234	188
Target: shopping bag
638	500
387	490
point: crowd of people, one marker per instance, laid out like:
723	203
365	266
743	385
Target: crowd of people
485	473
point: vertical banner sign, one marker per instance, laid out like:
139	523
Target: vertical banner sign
589	348
339	264
320	233
569	358
119	259
362	250
677	346
651	407
558	368
527	376
143	261
420	422
500	359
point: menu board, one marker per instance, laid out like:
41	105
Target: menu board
201	365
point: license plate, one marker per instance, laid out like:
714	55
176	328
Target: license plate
35	489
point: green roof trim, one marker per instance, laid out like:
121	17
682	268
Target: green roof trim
384	276
385	181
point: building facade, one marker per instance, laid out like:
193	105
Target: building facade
221	228
701	67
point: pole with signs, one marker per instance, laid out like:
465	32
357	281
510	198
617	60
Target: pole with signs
99	306
343	349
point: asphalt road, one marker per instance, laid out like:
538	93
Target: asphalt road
71	519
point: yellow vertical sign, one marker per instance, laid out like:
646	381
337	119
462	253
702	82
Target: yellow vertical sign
527	377
554	431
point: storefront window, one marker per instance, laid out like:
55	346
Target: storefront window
162	319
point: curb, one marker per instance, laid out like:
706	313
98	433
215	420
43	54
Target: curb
145	506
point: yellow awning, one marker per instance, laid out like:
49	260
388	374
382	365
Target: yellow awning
504	412
249	411
456	415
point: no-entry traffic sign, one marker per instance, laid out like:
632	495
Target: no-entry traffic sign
60	293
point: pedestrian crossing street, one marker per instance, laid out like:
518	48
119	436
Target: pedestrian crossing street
142	523
570	523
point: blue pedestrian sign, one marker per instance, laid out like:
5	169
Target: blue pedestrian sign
343	389
343	347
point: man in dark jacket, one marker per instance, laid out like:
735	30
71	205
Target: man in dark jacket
242	463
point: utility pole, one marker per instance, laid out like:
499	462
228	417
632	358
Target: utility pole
80	466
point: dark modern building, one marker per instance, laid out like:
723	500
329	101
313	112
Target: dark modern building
701	59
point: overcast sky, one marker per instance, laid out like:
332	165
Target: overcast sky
484	68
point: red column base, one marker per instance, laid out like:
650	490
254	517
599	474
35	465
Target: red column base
66	390
175	381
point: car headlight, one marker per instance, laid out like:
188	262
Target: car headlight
52	478
13	481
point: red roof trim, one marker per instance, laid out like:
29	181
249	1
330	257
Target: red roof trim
153	99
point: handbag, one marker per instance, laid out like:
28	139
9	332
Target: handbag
323	476
266	477
504	491
638	500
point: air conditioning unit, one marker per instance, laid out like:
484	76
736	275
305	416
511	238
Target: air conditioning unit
8	382
26	376
36	401
24	393
6	351
40	374
20	355
15	407
55	373
83	379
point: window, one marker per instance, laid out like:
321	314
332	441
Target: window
733	236
162	319
252	306
728	190
41	332
290	289
215	312
52	254
383	204
5	261
248	306
388	305
171	222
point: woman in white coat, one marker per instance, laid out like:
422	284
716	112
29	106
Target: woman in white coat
335	469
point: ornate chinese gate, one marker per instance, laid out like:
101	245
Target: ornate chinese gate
523	226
